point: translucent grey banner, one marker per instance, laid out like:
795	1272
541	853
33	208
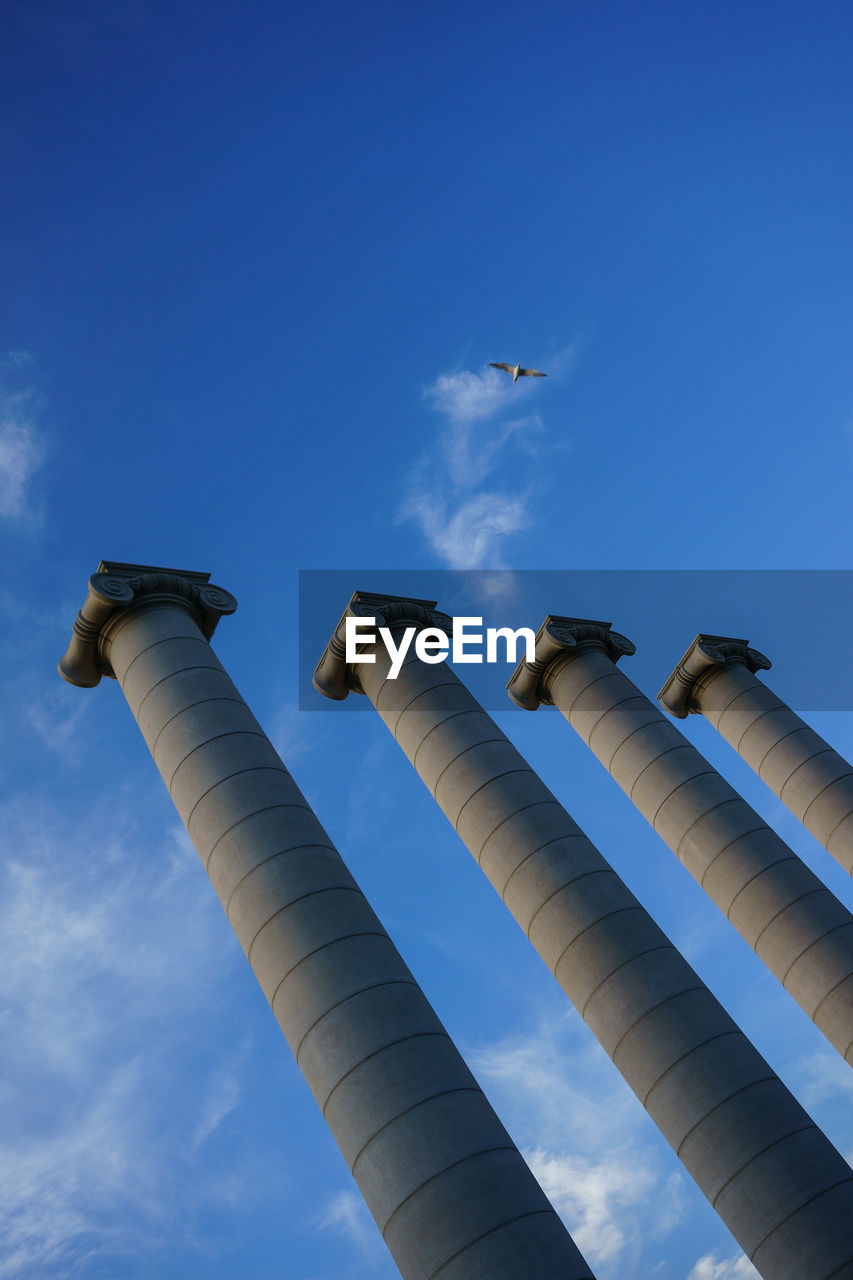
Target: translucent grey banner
801	619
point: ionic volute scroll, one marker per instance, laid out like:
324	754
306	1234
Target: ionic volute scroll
117	587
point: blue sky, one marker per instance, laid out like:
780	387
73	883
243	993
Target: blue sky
254	264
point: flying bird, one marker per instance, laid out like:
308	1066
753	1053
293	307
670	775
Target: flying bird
517	371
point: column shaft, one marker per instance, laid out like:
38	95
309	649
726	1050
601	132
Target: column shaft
778	905
447	1187
716	677
771	1175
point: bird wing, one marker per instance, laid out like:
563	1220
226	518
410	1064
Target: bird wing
510	368
531	373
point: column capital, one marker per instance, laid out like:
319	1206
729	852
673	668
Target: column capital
116	587
559	640
333	676
679	696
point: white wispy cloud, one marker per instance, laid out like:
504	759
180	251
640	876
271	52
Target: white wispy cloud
459	493
469	397
468	534
222	1096
345	1214
293	734
822	1077
18	358
823	1083
595	1166
21	446
55	718
472	455
95	1183
559	1078
738	1267
598	1198
103	947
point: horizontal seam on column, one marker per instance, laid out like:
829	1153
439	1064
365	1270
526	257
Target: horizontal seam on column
414	698
532	805
412	658
198	703
196	666
422	1102
596	871
577	835
722	1103
839	1271
153	645
267	808
459	755
798	729
344	937
371	986
714	807
312	893
439	725
808	893
718	1035
660	946
270	768
422	693
217	737
122	619
677	747
838	824
753	722
519	1217
254	768
706	773
823	1000
606	712
280	853
775	1143
605	676
791	857
392	1044
824	750
647	1013
129	617
639	729
840	778
506	773
762	826
475	1155
741	693
845	924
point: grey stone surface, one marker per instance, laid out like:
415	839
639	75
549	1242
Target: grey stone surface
678	1049
716	677
438	1170
779	906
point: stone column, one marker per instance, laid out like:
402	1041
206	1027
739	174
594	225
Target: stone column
716	677
772	1176
448	1189
778	905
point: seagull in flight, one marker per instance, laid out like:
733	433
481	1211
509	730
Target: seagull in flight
517	371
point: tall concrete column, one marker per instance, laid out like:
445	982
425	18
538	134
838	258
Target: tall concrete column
451	1194
772	1176
716	677
778	905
